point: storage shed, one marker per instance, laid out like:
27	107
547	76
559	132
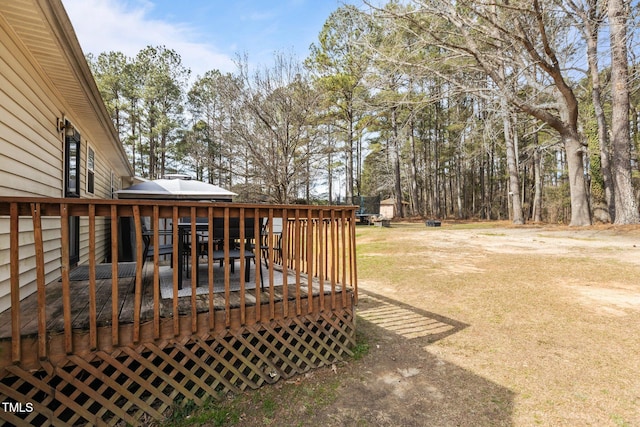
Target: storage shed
388	208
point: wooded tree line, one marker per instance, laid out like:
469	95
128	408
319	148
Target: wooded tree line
526	110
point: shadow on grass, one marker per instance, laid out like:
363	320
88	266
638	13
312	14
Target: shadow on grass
405	320
401	383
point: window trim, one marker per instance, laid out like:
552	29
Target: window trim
72	137
91	170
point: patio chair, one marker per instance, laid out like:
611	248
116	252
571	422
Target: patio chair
149	249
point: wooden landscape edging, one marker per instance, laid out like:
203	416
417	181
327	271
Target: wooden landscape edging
132	382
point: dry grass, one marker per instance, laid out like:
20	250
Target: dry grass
481	324
553	314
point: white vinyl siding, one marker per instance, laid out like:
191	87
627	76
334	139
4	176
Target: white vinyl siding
32	164
31	155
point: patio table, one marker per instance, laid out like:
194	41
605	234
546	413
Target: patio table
202	245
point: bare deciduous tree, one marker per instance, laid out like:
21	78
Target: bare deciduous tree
273	124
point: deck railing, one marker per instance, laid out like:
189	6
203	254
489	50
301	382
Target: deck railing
312	247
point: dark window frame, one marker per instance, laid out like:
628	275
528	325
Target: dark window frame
72	169
91	166
72	148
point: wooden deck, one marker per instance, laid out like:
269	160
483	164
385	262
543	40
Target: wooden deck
240	347
80	291
104	351
270	296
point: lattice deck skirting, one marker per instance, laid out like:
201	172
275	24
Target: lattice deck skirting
138	383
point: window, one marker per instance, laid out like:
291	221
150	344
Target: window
72	186
113	185
72	162
91	161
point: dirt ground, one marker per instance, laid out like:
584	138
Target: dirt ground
485	325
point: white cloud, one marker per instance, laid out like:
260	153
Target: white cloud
114	25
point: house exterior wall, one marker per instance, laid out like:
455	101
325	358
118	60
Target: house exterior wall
31	155
32	161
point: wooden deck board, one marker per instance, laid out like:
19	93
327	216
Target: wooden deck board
81	294
80	302
28	315
103	302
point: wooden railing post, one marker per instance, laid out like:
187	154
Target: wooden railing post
242	223
210	249
343	228
227	271
114	273
194	267
137	304
93	336
269	254
297	258
176	271
352	252
309	253
40	284
321	256
284	253
258	279
14	268
156	272
66	292
332	259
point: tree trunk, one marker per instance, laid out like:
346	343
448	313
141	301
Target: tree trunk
625	201
574	151
436	207
512	166
163	153
349	166
414	171
134	141
396	166
537	194
459	177
603	139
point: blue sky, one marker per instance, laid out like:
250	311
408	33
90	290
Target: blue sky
208	34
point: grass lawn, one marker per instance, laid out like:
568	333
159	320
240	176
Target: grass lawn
476	324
